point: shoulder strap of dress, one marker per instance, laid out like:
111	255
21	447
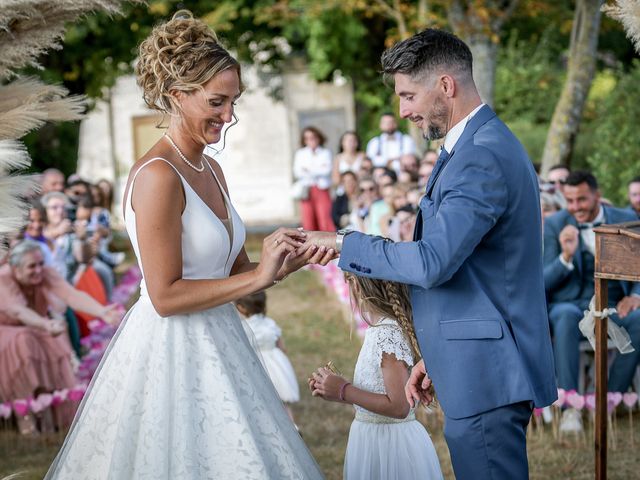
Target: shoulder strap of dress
133	180
153	160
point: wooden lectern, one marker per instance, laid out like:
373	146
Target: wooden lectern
617	258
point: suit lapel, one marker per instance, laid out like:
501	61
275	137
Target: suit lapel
417	230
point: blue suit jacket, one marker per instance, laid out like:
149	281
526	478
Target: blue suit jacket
633	211
564	285
475	270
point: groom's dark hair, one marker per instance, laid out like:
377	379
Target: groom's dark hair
428	52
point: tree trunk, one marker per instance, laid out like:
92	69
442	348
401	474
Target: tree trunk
580	70
485	55
479	25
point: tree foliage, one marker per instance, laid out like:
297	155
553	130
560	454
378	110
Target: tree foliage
339	38
615	154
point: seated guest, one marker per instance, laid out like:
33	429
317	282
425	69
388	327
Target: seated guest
96	220
366	168
69	240
408	178
345	202
58	231
76	189
409	163
634	196
395	196
427	164
106	187
34	230
369	194
569	249
34	356
384	176
51	180
402	224
557	176
550	203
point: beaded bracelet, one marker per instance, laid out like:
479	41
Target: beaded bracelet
342	389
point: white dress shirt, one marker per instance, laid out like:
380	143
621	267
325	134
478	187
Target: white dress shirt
454	134
313	167
385	147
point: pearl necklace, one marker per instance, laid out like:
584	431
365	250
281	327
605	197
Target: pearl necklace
173	144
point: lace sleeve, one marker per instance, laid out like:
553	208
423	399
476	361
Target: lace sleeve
390	339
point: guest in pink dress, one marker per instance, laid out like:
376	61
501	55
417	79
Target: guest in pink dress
35	353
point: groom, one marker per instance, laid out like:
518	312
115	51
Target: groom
474	267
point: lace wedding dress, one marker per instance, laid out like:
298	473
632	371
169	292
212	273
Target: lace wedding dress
382	447
184	396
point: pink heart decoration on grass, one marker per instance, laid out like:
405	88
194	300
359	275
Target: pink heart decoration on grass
615	397
630	399
590	401
36	405
76	394
5	410
21	407
59	396
576	400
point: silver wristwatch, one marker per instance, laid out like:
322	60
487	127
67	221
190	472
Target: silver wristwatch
340	238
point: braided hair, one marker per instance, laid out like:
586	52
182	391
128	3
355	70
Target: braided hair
387	298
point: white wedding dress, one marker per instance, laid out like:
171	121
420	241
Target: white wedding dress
184	396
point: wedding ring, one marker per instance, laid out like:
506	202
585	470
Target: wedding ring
277	241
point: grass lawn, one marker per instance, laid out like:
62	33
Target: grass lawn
315	332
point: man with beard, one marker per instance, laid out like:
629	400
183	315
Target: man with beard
474	265
569	255
386	149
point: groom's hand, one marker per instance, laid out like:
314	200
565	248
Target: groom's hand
418	386
325	243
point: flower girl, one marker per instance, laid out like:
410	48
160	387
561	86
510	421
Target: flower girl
385	441
267	340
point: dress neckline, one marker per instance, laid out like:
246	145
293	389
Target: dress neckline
227	223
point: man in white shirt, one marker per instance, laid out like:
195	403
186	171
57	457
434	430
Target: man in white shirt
569	256
386	149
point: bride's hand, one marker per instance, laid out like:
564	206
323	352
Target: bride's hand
275	248
305	255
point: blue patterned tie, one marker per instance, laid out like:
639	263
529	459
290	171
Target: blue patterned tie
442	160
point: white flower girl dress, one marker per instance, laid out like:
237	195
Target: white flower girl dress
381	447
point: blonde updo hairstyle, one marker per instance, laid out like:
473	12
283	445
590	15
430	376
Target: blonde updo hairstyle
182	54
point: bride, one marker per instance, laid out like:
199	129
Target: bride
180	393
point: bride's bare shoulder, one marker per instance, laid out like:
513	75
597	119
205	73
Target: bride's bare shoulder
158	179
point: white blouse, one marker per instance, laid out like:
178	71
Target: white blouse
313	167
